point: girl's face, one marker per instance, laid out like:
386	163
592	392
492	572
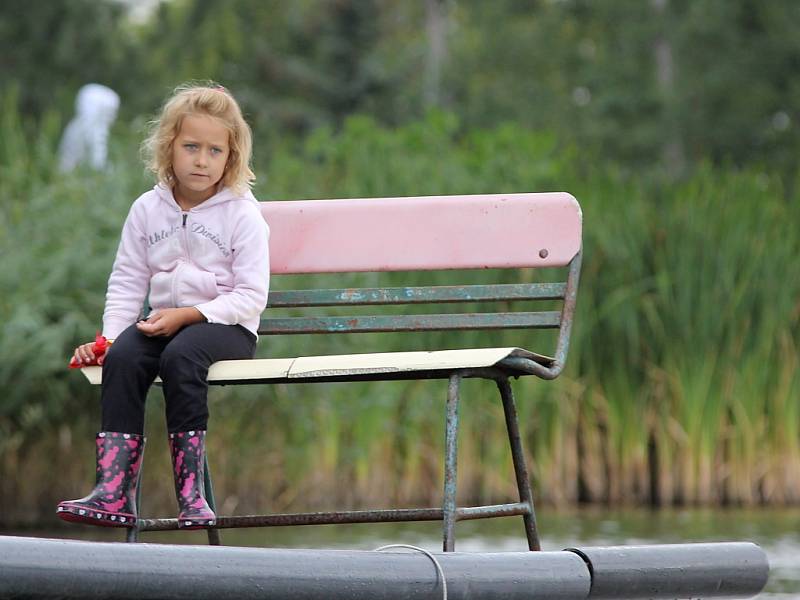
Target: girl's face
199	155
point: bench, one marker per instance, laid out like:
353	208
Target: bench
505	232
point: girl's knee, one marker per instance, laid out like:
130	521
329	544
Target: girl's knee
171	357
179	360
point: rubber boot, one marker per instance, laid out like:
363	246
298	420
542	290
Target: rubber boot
188	461
112	502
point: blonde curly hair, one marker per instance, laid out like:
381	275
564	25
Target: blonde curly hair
200	99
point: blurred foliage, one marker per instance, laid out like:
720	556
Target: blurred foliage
665	82
49	49
725	89
293	65
681	384
673	122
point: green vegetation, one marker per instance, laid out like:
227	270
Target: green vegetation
681	384
672	82
674	122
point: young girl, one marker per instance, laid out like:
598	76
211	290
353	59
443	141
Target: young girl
196	247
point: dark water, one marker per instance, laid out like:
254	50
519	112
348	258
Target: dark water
776	531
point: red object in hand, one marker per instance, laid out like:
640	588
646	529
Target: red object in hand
99	348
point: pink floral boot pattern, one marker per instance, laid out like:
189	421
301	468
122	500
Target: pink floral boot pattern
112	502
188	462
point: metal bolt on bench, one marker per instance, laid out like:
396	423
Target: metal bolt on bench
432	233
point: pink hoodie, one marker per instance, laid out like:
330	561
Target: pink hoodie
214	257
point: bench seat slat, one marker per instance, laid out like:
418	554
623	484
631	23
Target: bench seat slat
397	323
417	295
311	367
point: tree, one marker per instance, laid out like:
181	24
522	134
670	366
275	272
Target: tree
49	49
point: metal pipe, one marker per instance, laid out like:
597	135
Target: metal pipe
132	534
568	313
721	570
39	568
518	458
450	464
529	366
389	515
213	533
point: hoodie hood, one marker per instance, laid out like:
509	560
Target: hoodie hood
225	194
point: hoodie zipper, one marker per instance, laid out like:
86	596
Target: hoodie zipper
185	235
186	258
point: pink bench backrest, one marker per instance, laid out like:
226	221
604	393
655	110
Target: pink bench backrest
423	233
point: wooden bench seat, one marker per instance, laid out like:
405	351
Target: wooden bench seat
436	364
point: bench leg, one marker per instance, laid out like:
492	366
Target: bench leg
518	456
213	534
132	534
450	458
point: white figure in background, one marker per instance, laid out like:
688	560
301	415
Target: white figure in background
86	137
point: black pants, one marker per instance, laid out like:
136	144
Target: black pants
182	361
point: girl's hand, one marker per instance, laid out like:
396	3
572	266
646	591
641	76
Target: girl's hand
84	354
168	321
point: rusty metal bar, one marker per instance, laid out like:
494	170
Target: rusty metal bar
417	295
469	513
526	366
351	517
567	314
396	323
518	457
451	463
213	534
316	518
132	534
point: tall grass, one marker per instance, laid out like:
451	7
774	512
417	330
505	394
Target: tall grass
681	388
706	329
